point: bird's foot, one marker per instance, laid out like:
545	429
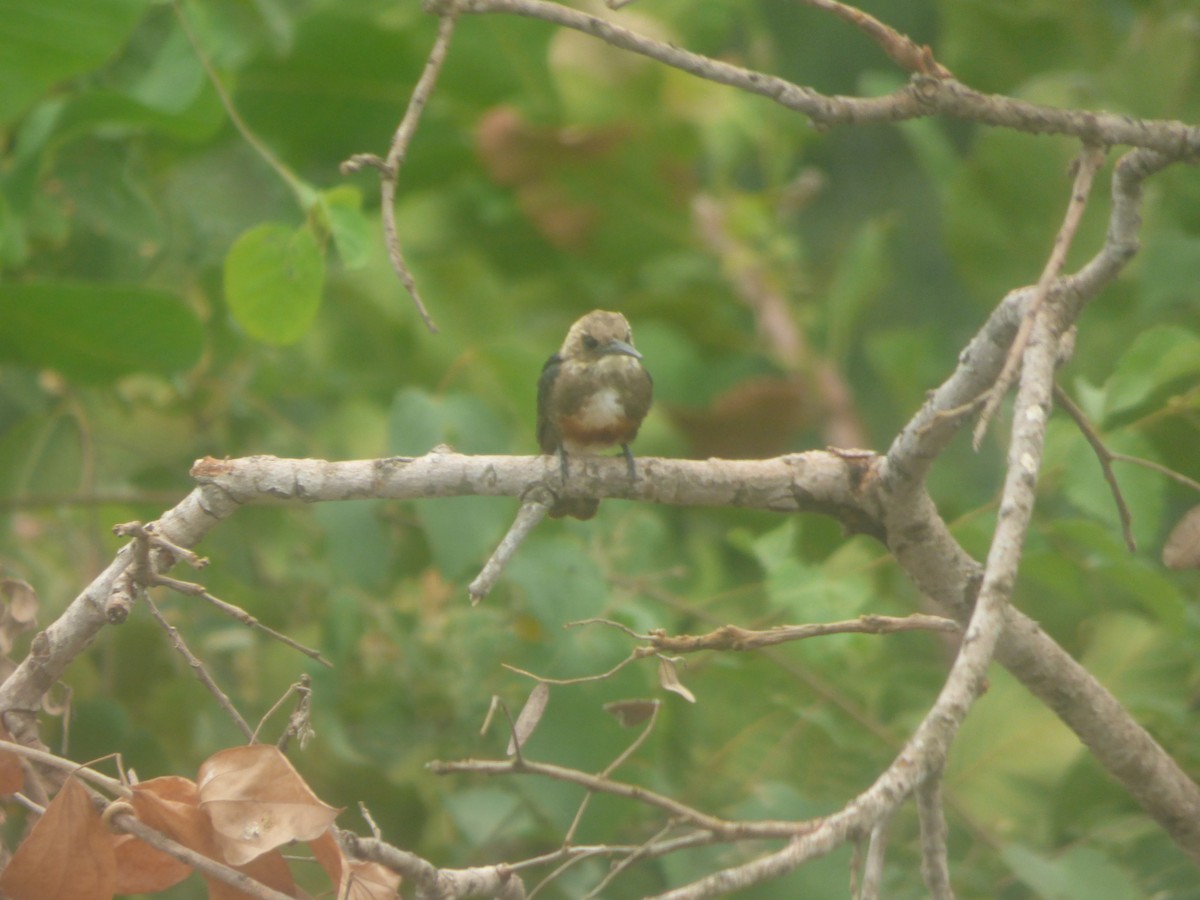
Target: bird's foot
633	476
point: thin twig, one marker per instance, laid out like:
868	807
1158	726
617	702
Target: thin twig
198	670
304	194
638	653
1086	165
900	48
191	589
872	878
610	768
1156	467
622	865
922	97
934	866
1104	457
295	688
723	827
247	886
389	168
731	637
112	785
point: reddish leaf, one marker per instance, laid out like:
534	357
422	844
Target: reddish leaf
12	778
141	869
355	879
257	801
172	805
68	854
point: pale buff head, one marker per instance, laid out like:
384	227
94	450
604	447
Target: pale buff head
599	333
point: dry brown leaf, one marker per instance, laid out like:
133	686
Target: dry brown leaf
1182	550
668	679
257	801
356	879
172	805
12	776
369	881
20	603
68	854
141	869
631	712
530	716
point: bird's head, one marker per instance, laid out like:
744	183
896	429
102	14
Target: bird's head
598	334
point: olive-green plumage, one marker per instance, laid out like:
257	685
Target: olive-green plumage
592	395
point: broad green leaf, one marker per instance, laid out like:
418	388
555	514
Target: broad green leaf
559	581
863	272
273	281
463	531
1085	486
810	593
1158	359
50	40
1169	271
1081	873
359	549
175	77
418	421
1001	218
1009	754
97	333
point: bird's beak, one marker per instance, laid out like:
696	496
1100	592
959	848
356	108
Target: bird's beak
615	346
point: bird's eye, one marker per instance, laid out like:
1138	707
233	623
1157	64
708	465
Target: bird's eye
590	342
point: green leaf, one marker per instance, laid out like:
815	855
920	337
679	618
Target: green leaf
97	333
807	593
359	549
351	231
1085	486
50	40
418	420
461	531
862	274
273	281
1158	359
1001	218
1169	270
1082	873
560	581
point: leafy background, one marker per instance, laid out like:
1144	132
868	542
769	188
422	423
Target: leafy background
169	290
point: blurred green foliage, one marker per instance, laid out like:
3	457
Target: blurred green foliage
168	291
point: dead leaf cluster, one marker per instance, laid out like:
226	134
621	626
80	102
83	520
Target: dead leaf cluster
245	805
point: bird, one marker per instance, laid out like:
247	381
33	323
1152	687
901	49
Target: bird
592	395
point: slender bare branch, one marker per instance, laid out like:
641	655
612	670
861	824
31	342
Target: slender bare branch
923	96
389	168
728	829
532	510
200	671
1086	165
934	866
1104	457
